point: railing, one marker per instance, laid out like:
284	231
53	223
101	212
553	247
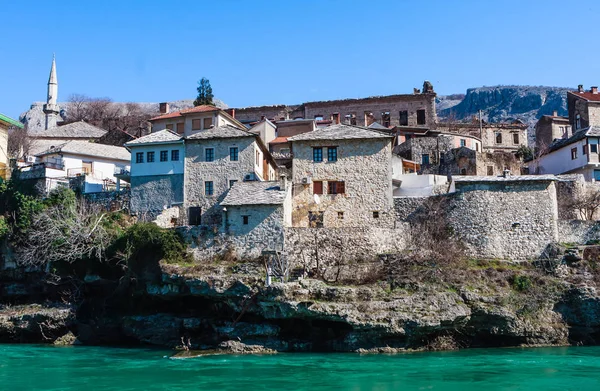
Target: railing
121	171
279	155
78	171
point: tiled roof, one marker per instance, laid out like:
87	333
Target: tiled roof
87	148
78	129
197	109
10	121
340	132
255	193
509	178
225	131
587	96
279	140
579	135
163	136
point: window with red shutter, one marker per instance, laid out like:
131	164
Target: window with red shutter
317	187
336	187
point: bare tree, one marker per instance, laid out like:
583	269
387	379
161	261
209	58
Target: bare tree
19	143
65	232
587	203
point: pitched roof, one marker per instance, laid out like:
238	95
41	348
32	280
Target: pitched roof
87	148
377	125
225	131
197	109
340	132
279	140
592	131
79	129
255	193
587	96
162	136
10	121
511	178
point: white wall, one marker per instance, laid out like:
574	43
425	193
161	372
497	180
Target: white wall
157	167
559	161
414	185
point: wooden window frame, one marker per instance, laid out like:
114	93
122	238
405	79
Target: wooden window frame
336	187
207	122
317	187
197	124
317	154
332	154
206	154
164	156
150	156
175	155
180	127
234	154
209	188
139	157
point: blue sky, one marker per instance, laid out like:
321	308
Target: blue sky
268	52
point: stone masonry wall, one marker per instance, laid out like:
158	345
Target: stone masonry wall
220	172
151	194
364	166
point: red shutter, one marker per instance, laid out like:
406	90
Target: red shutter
341	187
318	187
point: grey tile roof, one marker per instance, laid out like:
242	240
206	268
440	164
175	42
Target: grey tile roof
340	132
225	131
79	129
510	178
254	193
162	136
377	125
87	148
593	131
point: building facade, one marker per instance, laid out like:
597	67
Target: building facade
550	128
342	177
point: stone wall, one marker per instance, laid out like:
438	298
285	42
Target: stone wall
507	220
578	231
110	200
436	147
153	193
365	167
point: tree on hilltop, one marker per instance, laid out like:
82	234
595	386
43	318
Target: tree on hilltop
205	94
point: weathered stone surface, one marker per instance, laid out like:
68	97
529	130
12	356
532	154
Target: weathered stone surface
152	194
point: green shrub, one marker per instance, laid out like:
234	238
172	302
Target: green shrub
521	283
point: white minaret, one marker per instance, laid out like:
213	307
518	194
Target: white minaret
51	107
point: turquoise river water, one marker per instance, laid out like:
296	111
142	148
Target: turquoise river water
34	367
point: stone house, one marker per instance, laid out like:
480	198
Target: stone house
6	123
257	212
584	108
215	159
495	137
342	177
193	120
75	131
550	128
465	161
280	147
156	174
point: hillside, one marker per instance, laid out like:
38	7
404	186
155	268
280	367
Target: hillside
506	103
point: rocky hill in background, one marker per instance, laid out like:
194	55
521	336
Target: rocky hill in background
505	103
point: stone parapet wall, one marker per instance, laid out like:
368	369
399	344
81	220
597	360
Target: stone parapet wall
578	231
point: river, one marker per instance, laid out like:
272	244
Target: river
35	367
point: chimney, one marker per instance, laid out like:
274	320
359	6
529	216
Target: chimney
284	180
580	88
262	117
555	113
231	112
594	90
164	108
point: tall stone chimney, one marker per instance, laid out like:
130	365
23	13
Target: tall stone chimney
580	88
164	108
594	90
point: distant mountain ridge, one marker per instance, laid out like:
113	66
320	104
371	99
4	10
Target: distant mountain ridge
506	103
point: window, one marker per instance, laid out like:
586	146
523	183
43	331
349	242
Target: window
194	215
315	219
180	127
207	122
385	119
209	188
335	118
209	154
375	214
352	119
317	154
425	159
584	149
463	171
245	220
175	155
336	187
516	138
403	118
498	138
196	124
476	147
332	154
463	142
597	175
340	215
420	117
233	154
139	157
318	117
490	170
150	157
594	148
573	153
257	158
164	156
318	187
578	121
170	126
232	182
